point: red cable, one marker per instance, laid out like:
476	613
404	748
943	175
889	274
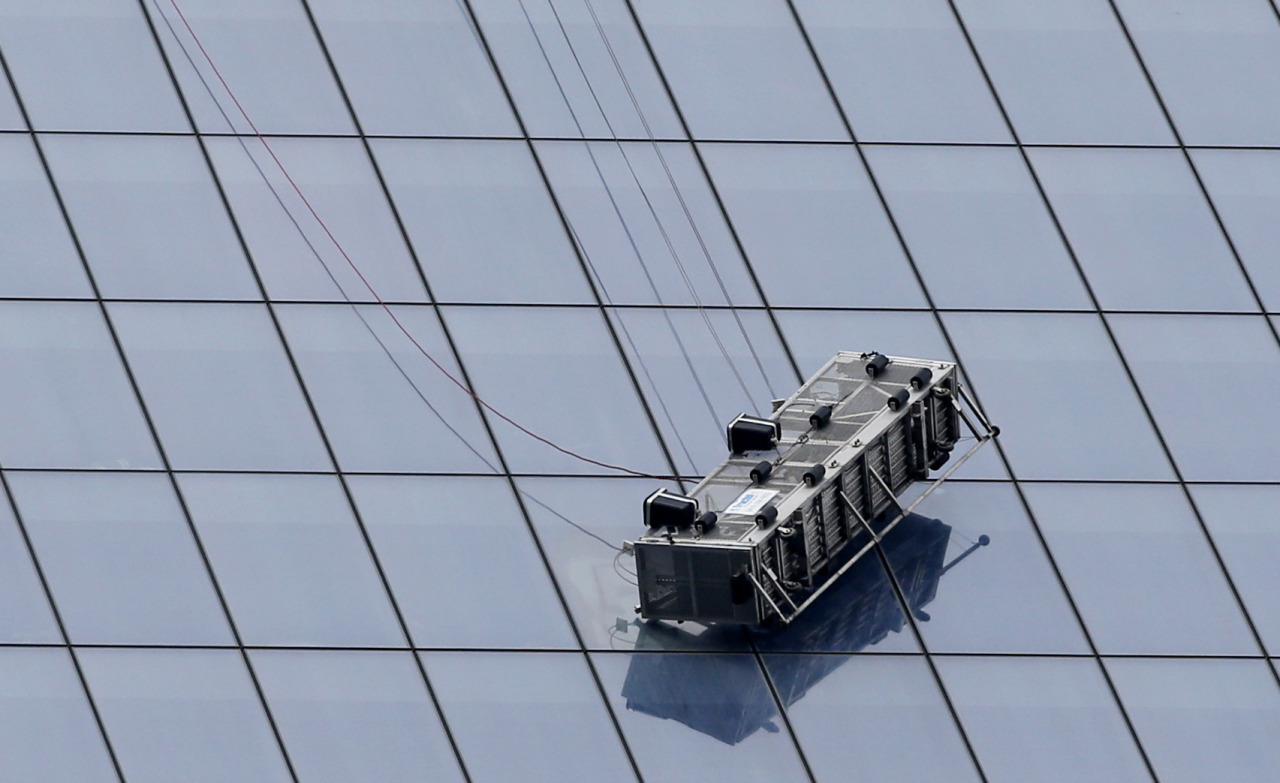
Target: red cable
370	288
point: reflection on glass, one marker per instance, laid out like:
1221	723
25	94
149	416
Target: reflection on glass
723	696
1245	188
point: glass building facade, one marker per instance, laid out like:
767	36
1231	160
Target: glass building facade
254	530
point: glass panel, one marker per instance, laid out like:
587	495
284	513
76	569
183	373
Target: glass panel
10	114
903	71
1042	719
693	422
338	181
70	59
49	732
630	222
347	716
183	715
736	732
1187	367
267	53
1002	597
903	729
568	35
149	217
527	716
119	558
480	216
25	615
1203	719
39	258
740	70
427	531
597	582
1245	188
68	401
1065	72
1140	569
373	416
558	374
1056	388
1242	521
975	222
813	226
291	561
1142	230
380	48
219	387
1215	66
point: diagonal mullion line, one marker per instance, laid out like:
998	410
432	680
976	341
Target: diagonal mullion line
1103	318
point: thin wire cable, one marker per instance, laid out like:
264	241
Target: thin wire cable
706	252
635	249
354	306
666	237
319	221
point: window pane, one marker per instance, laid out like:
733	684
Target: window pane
480	216
527	716
49	732
1242	521
1203	719
740	70
903	71
69	403
24	610
374	418
694	425
974	221
1215	66
10	115
737	734
413	68
427	556
39	258
1245	187
600	592
558	374
1182	363
1140	569
149	217
813	226
1142	230
1056	388
348	716
1004	596
183	715
1042	719
627	245
70	59
519	42
903	729
119	558
339	182
219	387
291	561
268	55
1065	72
